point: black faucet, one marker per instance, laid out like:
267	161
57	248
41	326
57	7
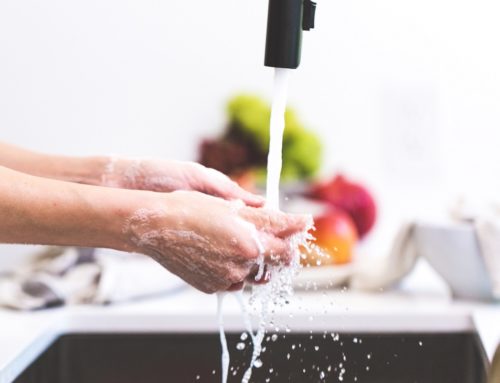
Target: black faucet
285	22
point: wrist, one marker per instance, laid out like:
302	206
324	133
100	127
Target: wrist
129	215
82	170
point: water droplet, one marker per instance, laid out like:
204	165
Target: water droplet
240	346
420	343
257	363
316	348
244	336
274	337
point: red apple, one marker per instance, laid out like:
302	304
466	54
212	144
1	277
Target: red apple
351	197
336	238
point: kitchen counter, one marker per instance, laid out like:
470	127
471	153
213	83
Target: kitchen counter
23	336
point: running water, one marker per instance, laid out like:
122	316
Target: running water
268	293
279	288
277	128
223	340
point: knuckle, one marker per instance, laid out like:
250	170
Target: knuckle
235	276
248	251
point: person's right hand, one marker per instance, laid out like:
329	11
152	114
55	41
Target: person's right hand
211	243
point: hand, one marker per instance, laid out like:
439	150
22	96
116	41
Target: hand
167	176
211	243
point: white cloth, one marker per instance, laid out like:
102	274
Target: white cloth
60	276
484	219
383	273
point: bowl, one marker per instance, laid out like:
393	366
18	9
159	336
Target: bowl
453	251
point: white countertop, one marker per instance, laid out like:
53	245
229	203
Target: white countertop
24	335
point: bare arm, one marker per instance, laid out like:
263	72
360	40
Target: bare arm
207	241
35	210
128	173
86	170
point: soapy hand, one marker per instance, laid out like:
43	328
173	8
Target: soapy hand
211	243
167	176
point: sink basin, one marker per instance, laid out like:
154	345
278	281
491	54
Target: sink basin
369	358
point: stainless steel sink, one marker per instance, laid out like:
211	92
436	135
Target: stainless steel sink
368	358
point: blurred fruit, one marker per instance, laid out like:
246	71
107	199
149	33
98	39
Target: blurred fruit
244	145
351	197
336	238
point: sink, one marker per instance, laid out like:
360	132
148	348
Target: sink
176	357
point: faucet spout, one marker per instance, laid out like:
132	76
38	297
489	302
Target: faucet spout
285	22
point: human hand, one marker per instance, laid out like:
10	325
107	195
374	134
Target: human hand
168	176
211	243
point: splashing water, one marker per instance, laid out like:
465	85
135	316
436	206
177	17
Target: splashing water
279	288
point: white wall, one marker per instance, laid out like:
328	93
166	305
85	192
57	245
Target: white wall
405	93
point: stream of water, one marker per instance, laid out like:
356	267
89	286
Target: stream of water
280	283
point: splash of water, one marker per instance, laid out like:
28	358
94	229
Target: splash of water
280	284
279	288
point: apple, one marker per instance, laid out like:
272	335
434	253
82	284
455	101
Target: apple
336	237
351	197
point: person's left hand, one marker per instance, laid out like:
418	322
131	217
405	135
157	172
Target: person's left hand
168	176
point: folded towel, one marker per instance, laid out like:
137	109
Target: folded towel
60	276
383	273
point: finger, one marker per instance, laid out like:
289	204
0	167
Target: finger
236	286
230	190
265	278
277	251
277	223
250	199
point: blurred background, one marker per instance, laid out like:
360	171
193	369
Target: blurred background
403	95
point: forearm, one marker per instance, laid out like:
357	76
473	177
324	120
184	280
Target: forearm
87	170
35	210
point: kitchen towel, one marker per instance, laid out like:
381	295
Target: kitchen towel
67	275
379	274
